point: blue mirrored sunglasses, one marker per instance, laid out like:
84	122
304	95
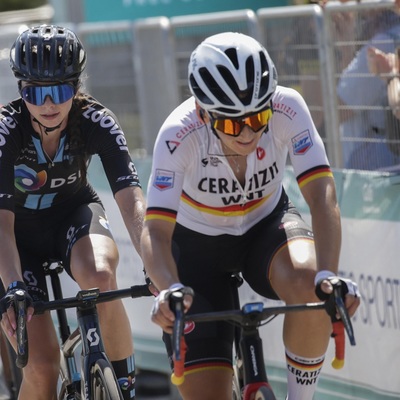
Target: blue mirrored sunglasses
59	94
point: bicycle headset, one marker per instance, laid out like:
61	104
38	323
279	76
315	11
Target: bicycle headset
232	74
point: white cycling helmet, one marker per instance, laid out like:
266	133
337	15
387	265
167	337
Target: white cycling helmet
232	74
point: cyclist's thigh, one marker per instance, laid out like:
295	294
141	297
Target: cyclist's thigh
267	239
85	220
200	265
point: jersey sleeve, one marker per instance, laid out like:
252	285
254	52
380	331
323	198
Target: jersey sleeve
107	139
171	158
9	147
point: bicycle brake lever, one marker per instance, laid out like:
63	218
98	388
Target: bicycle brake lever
178	339
21	334
340	306
176	304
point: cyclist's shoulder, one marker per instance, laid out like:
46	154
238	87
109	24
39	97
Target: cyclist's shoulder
96	114
182	126
13	113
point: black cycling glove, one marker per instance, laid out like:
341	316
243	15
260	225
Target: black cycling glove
8	300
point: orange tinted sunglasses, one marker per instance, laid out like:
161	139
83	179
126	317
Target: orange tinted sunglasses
234	126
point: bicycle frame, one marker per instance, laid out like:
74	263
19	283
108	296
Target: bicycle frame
250	368
76	381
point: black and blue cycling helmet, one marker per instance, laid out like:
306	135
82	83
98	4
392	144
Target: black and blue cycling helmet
47	53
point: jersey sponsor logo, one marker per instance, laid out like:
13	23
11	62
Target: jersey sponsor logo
184	132
302	143
189	327
260	153
214	161
284	109
163	179
108	122
6	124
57	182
28	180
232	193
172	145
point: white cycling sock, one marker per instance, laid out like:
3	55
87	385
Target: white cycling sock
302	374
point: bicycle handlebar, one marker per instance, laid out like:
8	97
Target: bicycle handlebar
91	296
83	297
252	315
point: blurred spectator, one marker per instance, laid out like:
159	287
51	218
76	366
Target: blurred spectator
366	122
386	66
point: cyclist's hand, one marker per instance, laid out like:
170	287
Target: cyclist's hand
161	313
351	294
8	317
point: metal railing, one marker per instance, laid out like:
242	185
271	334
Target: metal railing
139	69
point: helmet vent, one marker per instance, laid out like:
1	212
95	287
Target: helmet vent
198	92
264	85
214	87
232	55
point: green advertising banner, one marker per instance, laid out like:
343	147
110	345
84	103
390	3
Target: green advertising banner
104	10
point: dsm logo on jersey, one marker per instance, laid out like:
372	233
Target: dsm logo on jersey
302	143
163	179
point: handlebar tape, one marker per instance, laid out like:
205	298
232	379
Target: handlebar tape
21	334
339	337
177	377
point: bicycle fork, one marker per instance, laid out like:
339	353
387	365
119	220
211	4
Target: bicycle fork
92	345
254	373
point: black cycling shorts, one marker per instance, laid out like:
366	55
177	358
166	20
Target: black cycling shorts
49	236
206	263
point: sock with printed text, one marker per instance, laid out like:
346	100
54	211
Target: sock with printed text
125	372
302	374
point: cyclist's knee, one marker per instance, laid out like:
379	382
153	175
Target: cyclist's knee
294	281
104	279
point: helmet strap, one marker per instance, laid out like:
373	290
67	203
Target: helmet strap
46	128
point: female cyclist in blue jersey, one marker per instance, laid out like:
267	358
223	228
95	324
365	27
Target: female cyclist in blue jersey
49	210
216	206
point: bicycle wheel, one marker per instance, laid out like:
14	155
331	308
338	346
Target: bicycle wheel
104	383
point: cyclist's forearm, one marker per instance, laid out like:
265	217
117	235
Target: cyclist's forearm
132	208
158	260
320	195
10	267
327	237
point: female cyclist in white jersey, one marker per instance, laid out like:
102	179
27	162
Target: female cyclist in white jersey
217	206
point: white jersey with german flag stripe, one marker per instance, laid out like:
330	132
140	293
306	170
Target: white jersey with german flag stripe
191	180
